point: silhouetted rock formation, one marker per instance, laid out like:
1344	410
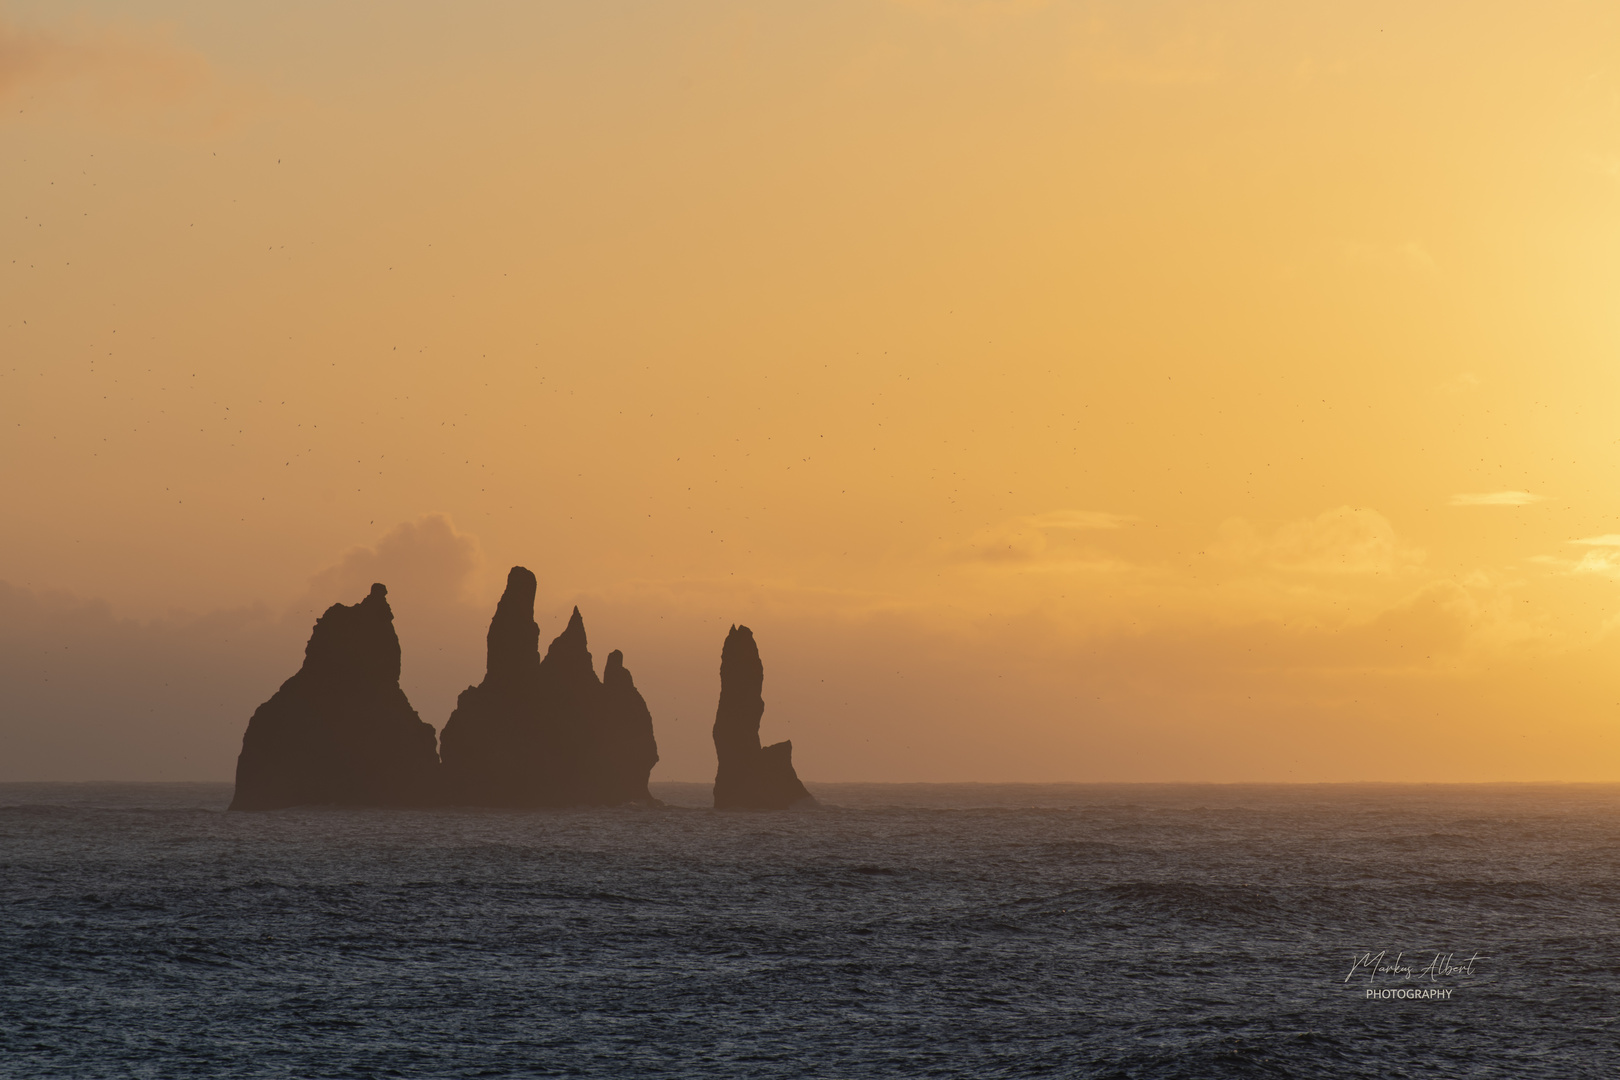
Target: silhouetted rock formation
340	730
487	742
751	776
625	744
546	732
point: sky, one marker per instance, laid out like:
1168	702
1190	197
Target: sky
1093	391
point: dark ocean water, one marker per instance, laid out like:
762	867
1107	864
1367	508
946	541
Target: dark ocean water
898	931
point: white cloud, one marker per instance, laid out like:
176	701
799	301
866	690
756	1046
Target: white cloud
1606	563
1494	498
1344	540
1602	559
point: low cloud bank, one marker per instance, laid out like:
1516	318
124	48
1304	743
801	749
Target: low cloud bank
1443	682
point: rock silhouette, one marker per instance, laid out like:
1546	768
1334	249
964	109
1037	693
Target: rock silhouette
487	744
750	776
625	744
546	732
340	730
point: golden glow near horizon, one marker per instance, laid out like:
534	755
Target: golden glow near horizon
1094	391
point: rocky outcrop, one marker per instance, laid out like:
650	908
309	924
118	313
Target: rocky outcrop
751	776
487	744
625	744
340	730
546	732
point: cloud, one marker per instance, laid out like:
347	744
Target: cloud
85	694
110	73
1344	540
1435	620
1494	498
1026	539
425	562
1075	520
435	578
868	695
1602	559
1606	563
1598	561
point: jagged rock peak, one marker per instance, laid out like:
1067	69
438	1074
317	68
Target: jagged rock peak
514	637
341	730
355	642
568	655
555	735
572	639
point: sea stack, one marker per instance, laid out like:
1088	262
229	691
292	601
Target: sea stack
341	730
625	745
487	743
751	776
546	732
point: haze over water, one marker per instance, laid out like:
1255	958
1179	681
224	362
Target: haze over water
1137	931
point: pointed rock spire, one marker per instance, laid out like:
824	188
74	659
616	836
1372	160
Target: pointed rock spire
488	743
514	637
626	747
568	660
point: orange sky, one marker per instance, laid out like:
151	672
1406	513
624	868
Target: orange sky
1091	391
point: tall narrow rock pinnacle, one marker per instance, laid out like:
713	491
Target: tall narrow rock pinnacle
750	776
514	638
626	747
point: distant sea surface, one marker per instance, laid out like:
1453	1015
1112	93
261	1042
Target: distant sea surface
899	930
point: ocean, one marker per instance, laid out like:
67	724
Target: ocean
898	930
